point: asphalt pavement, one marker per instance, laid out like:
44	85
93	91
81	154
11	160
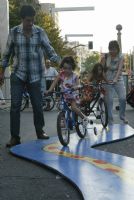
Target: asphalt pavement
23	180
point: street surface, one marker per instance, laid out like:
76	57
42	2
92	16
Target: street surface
24	180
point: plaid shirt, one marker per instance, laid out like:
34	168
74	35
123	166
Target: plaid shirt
28	53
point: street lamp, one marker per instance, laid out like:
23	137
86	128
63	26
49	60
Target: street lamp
119	28
91	8
90	43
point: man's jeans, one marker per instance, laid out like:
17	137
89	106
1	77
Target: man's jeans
17	89
119	88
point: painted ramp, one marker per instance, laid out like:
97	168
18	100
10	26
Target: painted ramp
99	175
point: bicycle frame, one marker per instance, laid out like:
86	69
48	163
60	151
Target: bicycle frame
90	105
70	115
67	120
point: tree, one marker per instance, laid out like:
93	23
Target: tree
43	20
14	9
47	23
90	61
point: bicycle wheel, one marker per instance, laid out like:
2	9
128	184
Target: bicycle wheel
80	129
48	103
62	129
103	112
24	103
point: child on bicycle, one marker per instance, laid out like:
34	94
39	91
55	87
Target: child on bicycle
96	76
69	80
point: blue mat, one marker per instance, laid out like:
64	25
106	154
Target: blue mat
97	174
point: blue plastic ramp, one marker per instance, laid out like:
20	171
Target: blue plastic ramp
97	174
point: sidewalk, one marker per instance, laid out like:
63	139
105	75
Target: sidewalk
24	180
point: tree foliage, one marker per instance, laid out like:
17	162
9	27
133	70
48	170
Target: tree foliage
43	20
47	23
14	10
90	61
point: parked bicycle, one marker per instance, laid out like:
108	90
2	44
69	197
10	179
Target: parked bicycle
47	100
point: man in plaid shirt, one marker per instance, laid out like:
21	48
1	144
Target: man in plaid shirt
26	44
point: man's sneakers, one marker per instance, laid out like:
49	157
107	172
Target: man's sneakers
13	141
42	135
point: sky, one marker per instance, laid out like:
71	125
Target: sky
101	22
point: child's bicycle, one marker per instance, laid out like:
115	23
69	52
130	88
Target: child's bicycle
67	120
97	104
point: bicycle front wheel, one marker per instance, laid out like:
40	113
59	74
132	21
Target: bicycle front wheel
63	129
80	129
102	109
48	103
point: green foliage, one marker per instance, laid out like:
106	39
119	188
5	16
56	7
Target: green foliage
14	9
90	61
47	23
43	20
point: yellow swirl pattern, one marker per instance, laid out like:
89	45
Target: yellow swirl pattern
127	176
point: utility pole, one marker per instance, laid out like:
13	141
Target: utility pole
125	75
77	35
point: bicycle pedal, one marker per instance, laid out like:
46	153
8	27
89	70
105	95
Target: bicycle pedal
98	117
91	121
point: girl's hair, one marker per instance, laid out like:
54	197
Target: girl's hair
95	75
27	11
69	60
114	45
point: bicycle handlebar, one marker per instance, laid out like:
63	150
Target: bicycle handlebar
97	84
65	91
80	87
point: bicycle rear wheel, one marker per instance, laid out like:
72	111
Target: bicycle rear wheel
63	129
24	103
48	103
102	109
80	129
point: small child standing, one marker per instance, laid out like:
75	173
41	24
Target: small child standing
69	80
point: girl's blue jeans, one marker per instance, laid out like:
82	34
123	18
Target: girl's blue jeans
34	90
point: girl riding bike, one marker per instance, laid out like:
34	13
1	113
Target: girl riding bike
69	80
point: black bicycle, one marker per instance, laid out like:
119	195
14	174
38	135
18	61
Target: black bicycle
97	104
